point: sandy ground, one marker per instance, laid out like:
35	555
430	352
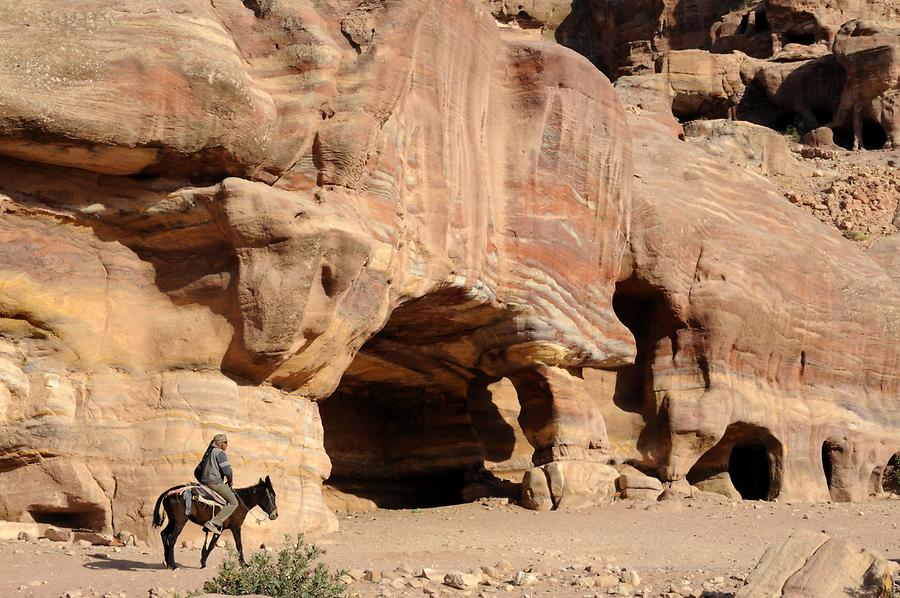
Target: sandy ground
676	548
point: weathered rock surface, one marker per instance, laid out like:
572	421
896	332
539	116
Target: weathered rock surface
870	54
465	204
635	485
393	246
755	148
726	364
814	564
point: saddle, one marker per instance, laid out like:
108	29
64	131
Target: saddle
203	494
207	495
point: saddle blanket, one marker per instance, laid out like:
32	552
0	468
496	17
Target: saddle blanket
202	493
196	491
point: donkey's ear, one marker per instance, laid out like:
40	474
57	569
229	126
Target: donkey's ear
268	481
260	480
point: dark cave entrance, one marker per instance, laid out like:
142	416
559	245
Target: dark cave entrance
411	425
804	39
379	453
890	475
748	466
648	314
71	517
746	462
756	107
843	137
686	108
828	463
874	136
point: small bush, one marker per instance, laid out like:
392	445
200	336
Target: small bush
855	235
799	127
289	574
890	478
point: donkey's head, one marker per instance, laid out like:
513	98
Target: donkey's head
266	495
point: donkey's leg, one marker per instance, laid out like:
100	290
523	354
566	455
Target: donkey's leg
168	539
164	534
236	532
207	550
176	524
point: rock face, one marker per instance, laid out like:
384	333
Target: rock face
870	53
724	364
400	249
344	181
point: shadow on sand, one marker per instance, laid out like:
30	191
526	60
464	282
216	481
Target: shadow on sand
104	561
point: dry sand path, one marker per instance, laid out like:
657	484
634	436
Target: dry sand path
675	546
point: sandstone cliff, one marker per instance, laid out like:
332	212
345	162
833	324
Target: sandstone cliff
399	248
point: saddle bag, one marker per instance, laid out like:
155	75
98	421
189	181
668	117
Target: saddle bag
198	471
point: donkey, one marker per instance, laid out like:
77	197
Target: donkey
262	494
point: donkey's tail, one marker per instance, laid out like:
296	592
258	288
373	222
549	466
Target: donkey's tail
158	515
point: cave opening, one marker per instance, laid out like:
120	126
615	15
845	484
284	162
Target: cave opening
762	22
526	21
758	108
803	39
843	137
412	424
874	136
890	475
73	517
745	22
827	464
687	108
748	466
745	464
822	115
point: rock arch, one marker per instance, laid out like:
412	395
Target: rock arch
745	464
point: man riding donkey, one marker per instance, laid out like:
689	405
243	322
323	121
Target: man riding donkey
186	502
215	472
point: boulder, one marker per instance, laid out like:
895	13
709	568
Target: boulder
55	534
704	84
95	538
637	486
753	147
819	137
571	484
10	530
815	564
536	490
460	581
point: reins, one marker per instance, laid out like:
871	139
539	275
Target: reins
259	521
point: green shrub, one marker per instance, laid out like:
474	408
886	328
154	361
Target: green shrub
799	127
855	235
289	574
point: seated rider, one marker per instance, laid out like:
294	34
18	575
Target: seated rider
217	474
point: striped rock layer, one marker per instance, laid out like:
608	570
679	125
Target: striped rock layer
388	246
